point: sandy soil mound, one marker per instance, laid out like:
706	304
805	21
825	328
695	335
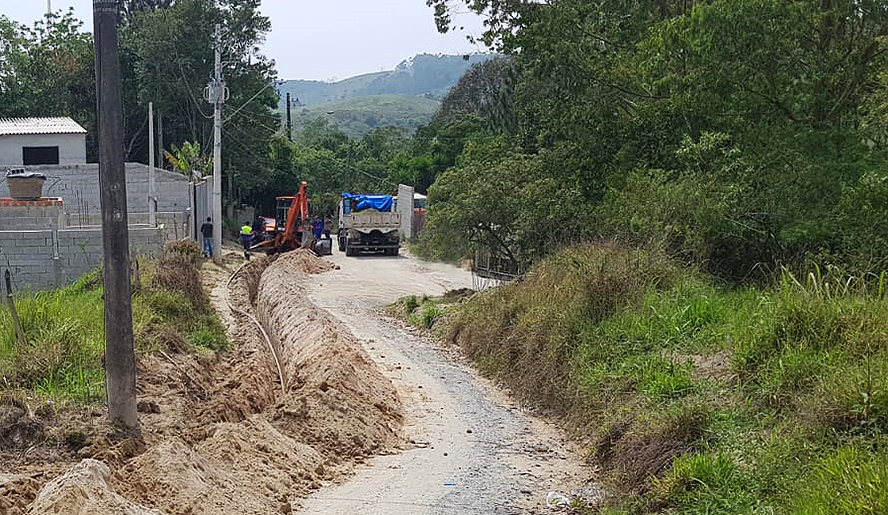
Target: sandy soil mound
16	493
250	447
246	468
84	490
338	400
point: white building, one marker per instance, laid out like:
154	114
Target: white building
41	141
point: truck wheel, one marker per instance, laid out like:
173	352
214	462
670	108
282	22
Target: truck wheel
349	250
394	251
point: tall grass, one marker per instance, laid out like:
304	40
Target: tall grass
65	330
701	398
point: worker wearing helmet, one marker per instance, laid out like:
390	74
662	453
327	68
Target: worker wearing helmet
246	235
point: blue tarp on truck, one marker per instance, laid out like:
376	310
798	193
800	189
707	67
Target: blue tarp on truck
382	203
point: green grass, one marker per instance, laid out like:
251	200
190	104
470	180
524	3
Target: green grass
65	331
701	399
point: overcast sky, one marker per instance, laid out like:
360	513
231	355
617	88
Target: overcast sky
325	39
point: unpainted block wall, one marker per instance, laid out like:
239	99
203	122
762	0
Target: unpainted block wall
78	186
40	260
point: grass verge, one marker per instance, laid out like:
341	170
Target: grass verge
699	398
65	328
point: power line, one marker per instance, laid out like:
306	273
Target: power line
254	97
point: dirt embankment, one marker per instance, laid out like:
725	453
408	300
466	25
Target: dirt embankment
224	436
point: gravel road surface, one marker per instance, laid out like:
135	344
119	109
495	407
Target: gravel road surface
472	449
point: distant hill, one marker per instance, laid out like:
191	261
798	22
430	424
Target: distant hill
424	75
358	116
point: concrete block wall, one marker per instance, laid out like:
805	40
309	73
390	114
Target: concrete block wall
78	186
173	226
31	217
47	259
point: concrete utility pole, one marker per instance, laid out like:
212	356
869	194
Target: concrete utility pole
152	197
120	359
289	121
48	6
217	93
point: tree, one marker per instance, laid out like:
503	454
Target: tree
48	70
171	57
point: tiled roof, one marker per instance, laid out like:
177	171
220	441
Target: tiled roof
18	126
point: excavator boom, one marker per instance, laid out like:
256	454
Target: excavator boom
291	236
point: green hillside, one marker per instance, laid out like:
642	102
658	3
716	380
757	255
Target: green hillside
426	75
358	116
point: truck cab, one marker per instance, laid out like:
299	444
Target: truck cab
368	223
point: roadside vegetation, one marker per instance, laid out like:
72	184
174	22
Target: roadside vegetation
697	397
728	355
62	360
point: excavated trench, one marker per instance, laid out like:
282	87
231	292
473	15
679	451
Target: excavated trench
250	444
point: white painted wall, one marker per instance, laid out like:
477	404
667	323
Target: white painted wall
72	147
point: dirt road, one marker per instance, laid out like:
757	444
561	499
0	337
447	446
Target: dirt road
473	450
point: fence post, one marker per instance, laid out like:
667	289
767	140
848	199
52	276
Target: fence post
19	332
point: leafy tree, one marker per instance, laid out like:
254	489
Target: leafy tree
48	70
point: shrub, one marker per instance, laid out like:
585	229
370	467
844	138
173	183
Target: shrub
176	273
410	304
187	248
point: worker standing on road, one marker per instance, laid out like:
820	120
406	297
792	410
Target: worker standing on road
328	226
246	234
317	228
207	231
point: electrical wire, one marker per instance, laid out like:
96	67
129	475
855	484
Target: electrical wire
254	97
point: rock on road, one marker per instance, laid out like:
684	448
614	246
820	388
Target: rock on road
473	450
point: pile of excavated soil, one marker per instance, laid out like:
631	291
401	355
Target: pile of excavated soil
252	448
84	490
16	491
338	401
222	435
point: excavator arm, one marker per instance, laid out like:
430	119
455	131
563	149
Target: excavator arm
297	217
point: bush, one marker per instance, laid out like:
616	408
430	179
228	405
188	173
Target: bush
187	248
410	305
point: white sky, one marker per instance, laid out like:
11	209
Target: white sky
327	39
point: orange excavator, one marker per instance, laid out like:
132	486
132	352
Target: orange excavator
292	225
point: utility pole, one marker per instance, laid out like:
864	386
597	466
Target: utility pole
120	359
289	121
152	198
217	96
48	7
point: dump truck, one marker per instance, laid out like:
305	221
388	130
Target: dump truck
368	223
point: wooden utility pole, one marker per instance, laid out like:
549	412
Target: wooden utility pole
120	359
289	120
